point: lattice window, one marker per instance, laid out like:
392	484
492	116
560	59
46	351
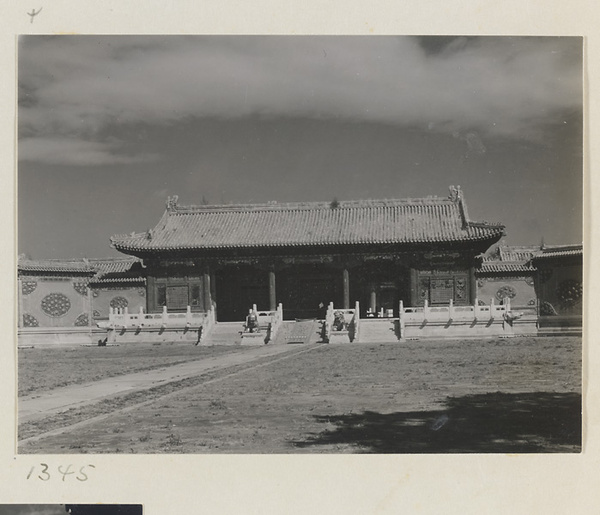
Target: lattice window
195	297
423	289
161	296
442	291
177	297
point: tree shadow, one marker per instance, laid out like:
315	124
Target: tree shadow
482	423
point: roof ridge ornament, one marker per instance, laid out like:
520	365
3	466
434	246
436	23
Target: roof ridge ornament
456	196
172	203
455	193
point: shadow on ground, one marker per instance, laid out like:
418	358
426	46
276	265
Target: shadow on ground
487	423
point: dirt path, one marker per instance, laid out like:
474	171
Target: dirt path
40	406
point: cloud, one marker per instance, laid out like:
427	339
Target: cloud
79	87
75	152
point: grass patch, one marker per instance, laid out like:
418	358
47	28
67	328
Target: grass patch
45	368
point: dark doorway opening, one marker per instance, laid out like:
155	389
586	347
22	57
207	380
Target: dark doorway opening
237	288
306	290
380	286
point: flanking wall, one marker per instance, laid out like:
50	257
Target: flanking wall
132	297
54	301
560	289
519	289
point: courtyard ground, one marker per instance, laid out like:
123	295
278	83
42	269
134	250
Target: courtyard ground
498	395
46	367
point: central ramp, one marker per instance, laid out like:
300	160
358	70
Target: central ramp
225	333
299	331
375	330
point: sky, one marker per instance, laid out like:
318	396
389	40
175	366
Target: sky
110	126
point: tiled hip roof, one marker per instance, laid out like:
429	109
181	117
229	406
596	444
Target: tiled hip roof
119	280
112	265
559	252
513	253
499	267
111	270
120	270
55	266
312	224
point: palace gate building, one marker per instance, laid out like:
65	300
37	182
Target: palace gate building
306	255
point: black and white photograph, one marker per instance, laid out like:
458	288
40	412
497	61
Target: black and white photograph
299	244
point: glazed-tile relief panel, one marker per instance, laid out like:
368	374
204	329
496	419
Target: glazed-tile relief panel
519	290
117	297
54	302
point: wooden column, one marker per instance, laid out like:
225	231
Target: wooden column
472	286
373	299
214	299
206	290
414	301
90	300
150	294
346	288
272	291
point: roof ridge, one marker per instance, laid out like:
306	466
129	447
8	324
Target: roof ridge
559	250
299	205
52	260
568	246
83	261
484	223
349	222
113	259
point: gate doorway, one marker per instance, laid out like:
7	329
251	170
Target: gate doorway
237	288
306	290
380	286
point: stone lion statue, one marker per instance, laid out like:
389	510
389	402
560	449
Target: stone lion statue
252	322
339	323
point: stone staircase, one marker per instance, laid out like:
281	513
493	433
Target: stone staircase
373	330
225	333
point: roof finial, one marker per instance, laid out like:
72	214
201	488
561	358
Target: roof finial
455	193
172	203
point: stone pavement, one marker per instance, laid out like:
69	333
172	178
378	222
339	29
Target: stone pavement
39	406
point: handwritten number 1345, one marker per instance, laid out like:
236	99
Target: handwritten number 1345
45	473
